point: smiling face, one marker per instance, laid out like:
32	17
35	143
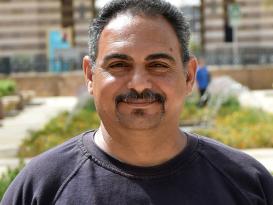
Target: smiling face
139	81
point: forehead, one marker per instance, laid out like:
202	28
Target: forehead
128	31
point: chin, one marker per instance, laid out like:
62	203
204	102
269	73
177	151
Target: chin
140	121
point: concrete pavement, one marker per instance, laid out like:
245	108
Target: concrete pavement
14	129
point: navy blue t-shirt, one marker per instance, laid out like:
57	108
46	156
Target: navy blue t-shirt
77	172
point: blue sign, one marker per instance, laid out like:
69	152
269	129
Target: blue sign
57	40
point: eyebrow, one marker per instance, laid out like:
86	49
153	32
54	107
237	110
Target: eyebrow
117	56
160	56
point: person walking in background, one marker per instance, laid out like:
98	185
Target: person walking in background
203	80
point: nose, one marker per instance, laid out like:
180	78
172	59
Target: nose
140	80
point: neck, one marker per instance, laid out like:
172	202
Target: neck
141	148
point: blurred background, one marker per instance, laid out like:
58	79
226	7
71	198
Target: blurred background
43	99
51	36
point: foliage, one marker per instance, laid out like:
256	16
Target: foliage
8	177
191	113
7	87
241	127
229	106
59	130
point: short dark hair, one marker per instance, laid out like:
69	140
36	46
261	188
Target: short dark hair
147	7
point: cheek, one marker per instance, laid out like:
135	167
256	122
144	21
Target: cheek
175	90
173	85
106	87
102	83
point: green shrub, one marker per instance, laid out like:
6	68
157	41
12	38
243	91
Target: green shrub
7	87
233	125
8	177
59	130
192	114
244	128
229	106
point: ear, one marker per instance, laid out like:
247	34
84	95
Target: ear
191	74
88	74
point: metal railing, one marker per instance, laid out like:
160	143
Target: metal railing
244	57
42	64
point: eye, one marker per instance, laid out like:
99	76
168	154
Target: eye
158	67
118	65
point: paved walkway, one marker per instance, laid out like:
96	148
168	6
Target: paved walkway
33	117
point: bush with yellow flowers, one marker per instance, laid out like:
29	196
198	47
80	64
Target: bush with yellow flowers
241	127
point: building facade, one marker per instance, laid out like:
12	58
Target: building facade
25	24
192	14
251	41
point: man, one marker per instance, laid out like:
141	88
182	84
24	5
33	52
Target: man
203	79
139	72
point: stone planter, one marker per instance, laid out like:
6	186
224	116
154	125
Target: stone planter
15	102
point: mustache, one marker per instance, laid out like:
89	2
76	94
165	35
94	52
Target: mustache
146	95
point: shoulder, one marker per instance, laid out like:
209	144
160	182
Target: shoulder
240	170
58	157
56	164
43	176
215	152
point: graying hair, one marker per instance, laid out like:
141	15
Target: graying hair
147	7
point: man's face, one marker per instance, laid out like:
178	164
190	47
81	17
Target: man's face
138	82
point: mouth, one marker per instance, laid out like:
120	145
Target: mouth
142	99
140	103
